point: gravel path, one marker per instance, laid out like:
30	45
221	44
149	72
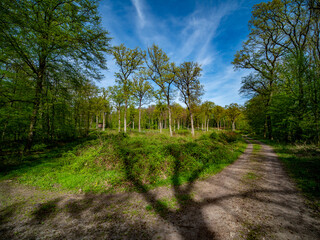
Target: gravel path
250	199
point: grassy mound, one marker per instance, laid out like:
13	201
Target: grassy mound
121	162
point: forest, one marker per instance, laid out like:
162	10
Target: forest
150	153
283	51
48	89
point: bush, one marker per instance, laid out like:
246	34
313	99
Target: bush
39	147
121	161
214	136
229	136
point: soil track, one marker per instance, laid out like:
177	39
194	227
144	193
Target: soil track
251	199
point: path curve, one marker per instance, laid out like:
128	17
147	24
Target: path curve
251	199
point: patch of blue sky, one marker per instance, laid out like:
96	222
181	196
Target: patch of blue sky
203	31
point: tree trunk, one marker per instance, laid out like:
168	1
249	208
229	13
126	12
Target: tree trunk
91	120
125	117
103	121
34	115
160	124
233	126
169	109
4	130
87	123
191	121
119	119
140	116
52	122
97	121
208	125
179	124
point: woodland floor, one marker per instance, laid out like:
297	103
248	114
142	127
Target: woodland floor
250	199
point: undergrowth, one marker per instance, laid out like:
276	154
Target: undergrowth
122	162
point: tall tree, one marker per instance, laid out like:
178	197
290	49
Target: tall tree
187	81
162	73
218	113
116	95
207	109
261	54
233	111
142	91
128	61
53	36
283	50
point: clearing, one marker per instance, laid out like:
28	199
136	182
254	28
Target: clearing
252	198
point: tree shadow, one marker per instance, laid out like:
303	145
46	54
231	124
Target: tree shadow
187	229
106	216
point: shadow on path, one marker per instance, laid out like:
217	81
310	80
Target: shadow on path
212	209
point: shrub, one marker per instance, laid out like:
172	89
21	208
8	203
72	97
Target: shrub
39	147
229	136
214	136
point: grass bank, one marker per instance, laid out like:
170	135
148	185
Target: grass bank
122	162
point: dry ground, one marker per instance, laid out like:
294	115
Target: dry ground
251	199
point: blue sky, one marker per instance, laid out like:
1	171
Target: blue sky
207	32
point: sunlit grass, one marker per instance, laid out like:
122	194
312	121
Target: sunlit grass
135	161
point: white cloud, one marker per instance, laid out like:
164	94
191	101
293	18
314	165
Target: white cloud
201	27
139	6
223	87
189	38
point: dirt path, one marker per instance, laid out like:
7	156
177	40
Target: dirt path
251	199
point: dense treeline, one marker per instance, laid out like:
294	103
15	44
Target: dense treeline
51	51
283	50
51	54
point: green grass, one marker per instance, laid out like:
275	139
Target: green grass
251	176
126	162
256	148
303	164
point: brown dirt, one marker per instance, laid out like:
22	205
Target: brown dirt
251	199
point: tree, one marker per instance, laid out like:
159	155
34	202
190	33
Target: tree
187	81
142	91
162	73
177	113
128	61
283	51
218	113
61	38
117	97
207	109
262	54
233	111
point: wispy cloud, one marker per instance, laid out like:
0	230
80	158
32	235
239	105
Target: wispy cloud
201	28
139	6
203	34
223	87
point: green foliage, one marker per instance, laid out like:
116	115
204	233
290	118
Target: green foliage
229	136
39	147
117	162
285	81
51	50
214	135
